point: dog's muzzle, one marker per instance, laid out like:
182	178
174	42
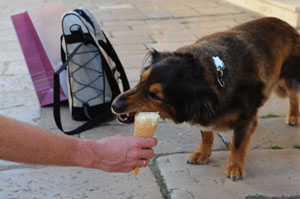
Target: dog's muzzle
118	107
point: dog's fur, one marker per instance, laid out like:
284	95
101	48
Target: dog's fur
259	56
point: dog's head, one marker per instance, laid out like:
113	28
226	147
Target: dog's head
174	85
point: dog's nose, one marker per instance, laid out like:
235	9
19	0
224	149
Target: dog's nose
118	106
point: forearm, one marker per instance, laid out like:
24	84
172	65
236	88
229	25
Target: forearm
21	142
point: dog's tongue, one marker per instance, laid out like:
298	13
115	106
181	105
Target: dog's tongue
126	118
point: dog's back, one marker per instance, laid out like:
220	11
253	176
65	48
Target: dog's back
265	50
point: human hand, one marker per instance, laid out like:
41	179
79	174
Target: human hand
120	153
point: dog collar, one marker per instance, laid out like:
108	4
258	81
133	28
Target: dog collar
220	68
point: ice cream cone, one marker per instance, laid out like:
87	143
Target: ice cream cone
145	124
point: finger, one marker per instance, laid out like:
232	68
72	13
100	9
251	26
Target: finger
146	153
140	154
145	142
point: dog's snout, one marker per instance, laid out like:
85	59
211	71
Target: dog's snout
118	106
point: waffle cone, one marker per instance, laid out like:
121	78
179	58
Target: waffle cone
144	127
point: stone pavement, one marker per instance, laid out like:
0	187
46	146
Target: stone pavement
134	26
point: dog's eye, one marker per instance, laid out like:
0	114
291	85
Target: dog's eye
154	96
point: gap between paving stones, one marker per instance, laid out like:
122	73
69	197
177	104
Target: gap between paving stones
176	17
227	144
159	178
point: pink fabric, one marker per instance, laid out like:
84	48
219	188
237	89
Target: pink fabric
39	66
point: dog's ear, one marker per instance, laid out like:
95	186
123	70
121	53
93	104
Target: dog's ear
157	56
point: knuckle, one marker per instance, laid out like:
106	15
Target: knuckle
134	155
135	143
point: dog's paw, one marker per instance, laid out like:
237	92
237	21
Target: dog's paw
235	172
198	158
292	120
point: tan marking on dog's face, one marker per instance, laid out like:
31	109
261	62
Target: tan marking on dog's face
157	90
147	98
145	75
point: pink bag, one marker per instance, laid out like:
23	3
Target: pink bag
38	31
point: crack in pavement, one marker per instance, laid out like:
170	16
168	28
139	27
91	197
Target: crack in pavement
175	17
159	178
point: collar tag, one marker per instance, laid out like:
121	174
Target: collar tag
219	63
220	67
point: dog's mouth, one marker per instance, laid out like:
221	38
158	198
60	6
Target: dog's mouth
122	113
126	118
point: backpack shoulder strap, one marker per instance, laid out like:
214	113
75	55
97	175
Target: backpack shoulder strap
112	53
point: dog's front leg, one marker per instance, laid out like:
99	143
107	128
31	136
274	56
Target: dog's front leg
202	153
238	149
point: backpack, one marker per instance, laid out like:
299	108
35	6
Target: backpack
93	71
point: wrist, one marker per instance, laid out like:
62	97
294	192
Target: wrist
84	153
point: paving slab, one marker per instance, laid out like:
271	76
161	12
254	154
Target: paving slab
133	49
11	83
165	46
10	44
171	36
74	183
28	114
275	105
11	54
18	99
133	39
134	74
270	132
6	164
272	173
14	68
132	61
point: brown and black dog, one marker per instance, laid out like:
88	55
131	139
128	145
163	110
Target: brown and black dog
219	82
